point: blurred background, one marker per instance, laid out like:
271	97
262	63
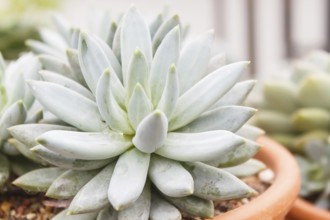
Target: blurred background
270	33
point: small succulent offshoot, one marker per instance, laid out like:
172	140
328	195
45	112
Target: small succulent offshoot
16	101
296	113
151	128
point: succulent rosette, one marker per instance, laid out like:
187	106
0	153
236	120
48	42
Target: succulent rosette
150	129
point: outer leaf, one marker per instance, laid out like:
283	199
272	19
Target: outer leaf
216	62
194	206
38	180
69	183
117	41
170	177
273	121
107	101
131	167
166	55
25	150
68	163
85	145
4	170
229	118
170	94
217	184
139	106
64	216
41	48
249	168
27	133
163	30
202	96
107	214
68	105
13	115
20	165
53	77
151	132
111	34
155	24
83	202
237	94
134	34
53	39
74	40
57	65
9	149
240	155
162	210
197	52
137	72
62	26
199	146
72	57
140	209
94	58
250	132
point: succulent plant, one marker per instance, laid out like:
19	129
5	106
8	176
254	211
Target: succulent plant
150	129
296	112
16	102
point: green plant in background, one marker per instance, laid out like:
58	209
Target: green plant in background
296	113
150	128
19	22
16	105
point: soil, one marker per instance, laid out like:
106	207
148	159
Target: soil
17	205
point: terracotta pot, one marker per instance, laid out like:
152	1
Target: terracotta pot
277	200
303	210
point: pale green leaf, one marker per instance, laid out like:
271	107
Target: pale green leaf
162	210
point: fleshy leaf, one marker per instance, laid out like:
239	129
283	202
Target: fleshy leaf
229	118
41	48
155	24
137	72
140	209
53	39
217	184
199	146
237	94
151	132
166	55
68	163
170	177
249	168
250	132
64	216
107	214
69	183
27	133
273	121
107	101
216	62
85	145
194	206
68	105
56	65
237	156
38	180
139	106
134	34
131	167
4	170
162	210
54	77
83	202
204	93
197	52
170	94
25	150
72	57
163	31
62	26
13	115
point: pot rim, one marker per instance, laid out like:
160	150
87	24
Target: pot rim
277	200
302	207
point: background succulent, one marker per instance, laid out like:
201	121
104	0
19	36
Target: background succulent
16	107
150	128
296	112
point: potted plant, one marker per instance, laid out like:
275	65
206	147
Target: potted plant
295	112
149	129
